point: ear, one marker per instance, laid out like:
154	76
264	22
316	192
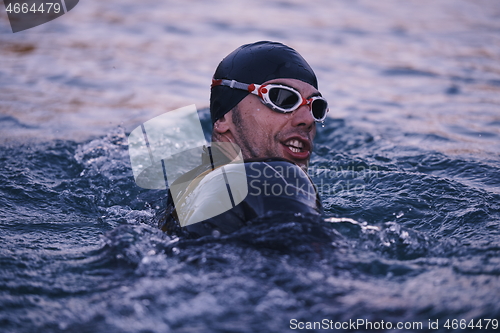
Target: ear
223	124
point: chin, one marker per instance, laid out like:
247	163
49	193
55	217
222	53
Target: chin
303	165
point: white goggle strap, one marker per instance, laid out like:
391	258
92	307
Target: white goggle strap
238	85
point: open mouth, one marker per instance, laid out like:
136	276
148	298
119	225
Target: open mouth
297	149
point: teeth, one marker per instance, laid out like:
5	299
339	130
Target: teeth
295	145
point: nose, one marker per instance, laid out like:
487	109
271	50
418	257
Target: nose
302	117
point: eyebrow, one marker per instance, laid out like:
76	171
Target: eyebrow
315	94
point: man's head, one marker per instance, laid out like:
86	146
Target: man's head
258	126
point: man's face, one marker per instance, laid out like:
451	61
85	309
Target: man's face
261	132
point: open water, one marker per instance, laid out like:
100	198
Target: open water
409	156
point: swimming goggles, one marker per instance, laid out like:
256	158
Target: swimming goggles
280	98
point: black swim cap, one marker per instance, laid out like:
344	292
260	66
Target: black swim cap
256	63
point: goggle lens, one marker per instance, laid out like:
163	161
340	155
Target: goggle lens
283	98
319	107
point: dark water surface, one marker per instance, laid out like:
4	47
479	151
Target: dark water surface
410	153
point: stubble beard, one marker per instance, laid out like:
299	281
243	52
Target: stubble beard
247	150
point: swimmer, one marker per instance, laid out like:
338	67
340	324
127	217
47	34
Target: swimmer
265	100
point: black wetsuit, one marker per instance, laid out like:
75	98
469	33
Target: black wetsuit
274	184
